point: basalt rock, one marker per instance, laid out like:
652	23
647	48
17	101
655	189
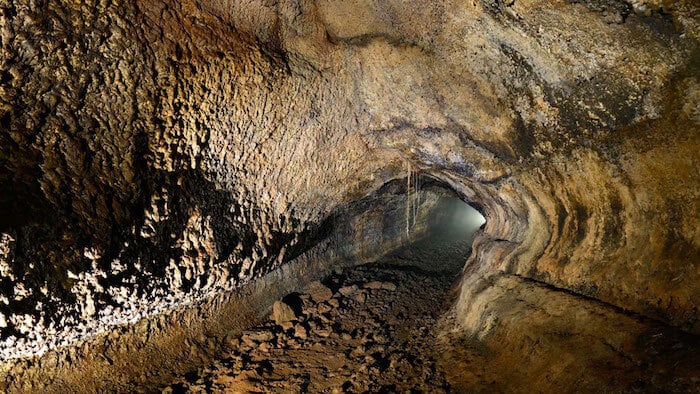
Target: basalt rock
154	153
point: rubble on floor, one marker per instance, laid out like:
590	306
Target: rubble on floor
369	328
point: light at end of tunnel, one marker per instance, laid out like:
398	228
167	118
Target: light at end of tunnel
470	217
463	219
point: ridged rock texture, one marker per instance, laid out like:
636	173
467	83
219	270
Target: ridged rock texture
152	152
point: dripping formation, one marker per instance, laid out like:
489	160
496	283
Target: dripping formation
412	196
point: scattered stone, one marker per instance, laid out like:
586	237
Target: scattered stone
300	331
319	292
347	342
374	285
324	319
282	312
261	336
347	291
379	285
248	341
323	308
358	351
360	297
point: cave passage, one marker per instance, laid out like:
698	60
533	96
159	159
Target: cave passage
364	328
445	244
273	196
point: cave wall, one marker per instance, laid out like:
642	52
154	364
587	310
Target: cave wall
180	339
163	150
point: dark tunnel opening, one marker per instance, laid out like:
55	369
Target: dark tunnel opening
421	222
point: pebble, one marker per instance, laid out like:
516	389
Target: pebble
261	336
323	308
348	290
360	297
246	339
374	285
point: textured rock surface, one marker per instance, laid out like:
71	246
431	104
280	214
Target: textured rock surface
193	330
387	329
377	344
166	150
562	343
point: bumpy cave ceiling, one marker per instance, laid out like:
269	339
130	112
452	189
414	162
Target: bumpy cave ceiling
157	153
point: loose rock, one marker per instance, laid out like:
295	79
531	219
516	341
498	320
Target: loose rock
282	312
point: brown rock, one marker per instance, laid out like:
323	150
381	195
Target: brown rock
334	303
261	336
319	292
248	341
375	285
282	312
300	331
324	319
360	297
358	351
347	291
264	347
323	308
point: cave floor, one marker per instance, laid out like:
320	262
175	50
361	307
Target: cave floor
388	327
370	328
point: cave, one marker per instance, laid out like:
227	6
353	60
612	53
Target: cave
349	196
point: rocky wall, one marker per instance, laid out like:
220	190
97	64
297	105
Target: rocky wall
175	148
182	336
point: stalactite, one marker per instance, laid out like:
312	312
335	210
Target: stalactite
412	197
416	194
408	198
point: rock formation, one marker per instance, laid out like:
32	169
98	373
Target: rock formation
154	153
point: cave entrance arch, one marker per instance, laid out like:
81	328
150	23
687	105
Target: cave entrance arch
435	225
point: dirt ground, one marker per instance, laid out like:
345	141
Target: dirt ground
388	327
365	329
